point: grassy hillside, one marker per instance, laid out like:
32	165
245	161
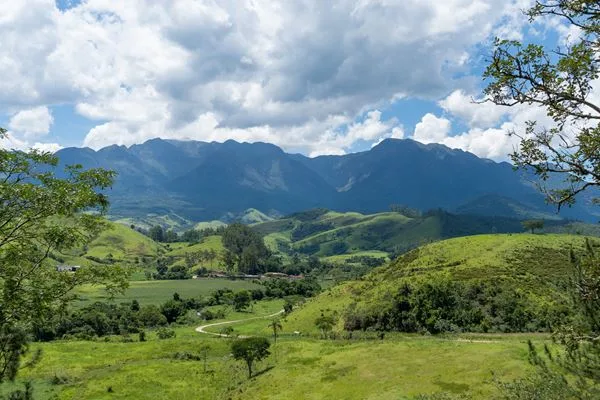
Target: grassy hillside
536	266
118	243
326	233
179	251
168	221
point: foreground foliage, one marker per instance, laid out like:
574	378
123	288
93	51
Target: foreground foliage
42	214
561	82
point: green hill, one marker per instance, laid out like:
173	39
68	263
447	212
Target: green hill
179	252
327	233
167	221
117	243
533	269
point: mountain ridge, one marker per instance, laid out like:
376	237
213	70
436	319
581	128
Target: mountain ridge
204	180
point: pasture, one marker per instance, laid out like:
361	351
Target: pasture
156	292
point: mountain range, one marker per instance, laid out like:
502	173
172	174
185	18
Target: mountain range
202	181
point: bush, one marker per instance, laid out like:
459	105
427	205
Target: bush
184	355
165	333
441	305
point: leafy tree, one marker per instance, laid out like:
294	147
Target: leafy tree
250	350
172	309
325	324
229	260
276	326
241	300
157	233
533	224
560	81
288	307
244	248
42	215
226	331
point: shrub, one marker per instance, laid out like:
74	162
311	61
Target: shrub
165	333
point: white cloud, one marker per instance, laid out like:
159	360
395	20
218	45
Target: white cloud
250	69
32	122
472	110
432	129
47	147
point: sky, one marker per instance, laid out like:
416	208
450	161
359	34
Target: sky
311	76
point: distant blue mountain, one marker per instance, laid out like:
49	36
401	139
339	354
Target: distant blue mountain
203	181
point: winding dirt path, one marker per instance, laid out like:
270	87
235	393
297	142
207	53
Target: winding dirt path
201	329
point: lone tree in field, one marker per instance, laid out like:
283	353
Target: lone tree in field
41	216
560	81
204	349
250	350
276	326
533	224
325	324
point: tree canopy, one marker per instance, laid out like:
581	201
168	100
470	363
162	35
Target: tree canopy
561	81
250	350
244	248
41	216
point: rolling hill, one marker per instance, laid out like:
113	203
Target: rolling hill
327	233
117	243
535	267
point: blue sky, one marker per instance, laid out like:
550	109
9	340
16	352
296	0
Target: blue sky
312	77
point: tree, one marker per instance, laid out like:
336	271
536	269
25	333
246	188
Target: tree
157	233
204	349
41	216
276	326
229	260
533	224
325	324
574	374
250	350
288	306
172	309
244	248
560	81
241	300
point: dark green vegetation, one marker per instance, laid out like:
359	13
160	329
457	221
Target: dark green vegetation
165	181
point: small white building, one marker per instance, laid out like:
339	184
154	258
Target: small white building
67	268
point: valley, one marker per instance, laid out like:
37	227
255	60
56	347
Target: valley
342	333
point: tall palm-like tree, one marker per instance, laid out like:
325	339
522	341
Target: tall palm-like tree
276	326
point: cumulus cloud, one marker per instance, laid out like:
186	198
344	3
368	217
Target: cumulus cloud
252	69
471	110
32	122
432	129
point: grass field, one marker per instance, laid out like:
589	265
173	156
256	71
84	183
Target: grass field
155	292
299	368
179	250
341	258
